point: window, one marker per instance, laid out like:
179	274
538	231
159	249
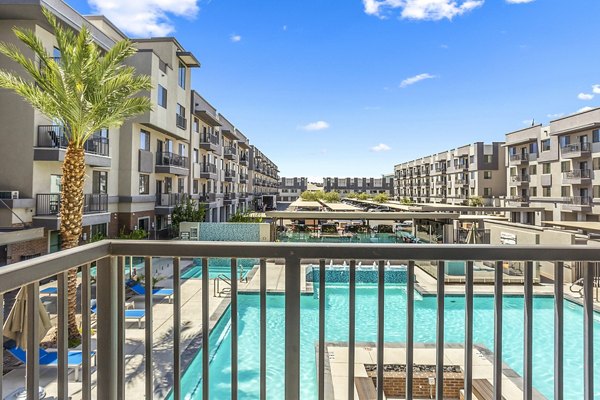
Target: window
100	182
487	174
545	168
145	140
596	191
181	75
98	230
546	192
181	149
196	125
565	191
533	191
533	148
546	145
513	191
195	184
596	135
533	170
180	185
565	166
144	184
162	96
596	164
196	155
56	54
55	183
180	110
487	192
487	158
564	141
471	159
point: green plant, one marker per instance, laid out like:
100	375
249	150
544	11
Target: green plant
155	279
331	197
312	195
406	201
476	201
363	196
136	234
97	237
245	217
188	210
84	91
381	198
352	195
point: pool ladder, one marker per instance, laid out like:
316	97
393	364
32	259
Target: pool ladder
221	279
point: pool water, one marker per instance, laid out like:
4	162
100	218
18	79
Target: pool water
217	267
395	320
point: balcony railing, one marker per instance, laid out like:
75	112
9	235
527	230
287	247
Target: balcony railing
576	148
112	351
578	201
519	178
519	157
230	151
229	173
208	168
577	174
229	196
168	199
171	159
181	121
49	203
206	137
55	137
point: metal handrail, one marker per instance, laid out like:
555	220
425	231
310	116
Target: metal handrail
216	284
575	147
167	158
577	174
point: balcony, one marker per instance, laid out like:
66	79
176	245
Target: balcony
577	203
244	160
209	141
207	198
576	150
166	202
229	175
180	121
461	182
208	171
577	177
229	198
243	178
52	143
230	153
518	159
47	210
429	336
171	163
519	180
520	201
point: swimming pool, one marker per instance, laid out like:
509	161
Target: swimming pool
217	267
366	330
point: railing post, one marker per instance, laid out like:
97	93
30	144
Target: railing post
292	328
33	349
107	328
588	332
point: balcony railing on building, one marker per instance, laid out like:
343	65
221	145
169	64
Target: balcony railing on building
166	158
516	159
577	176
49	203
208	168
168	199
180	121
206	137
575	150
230	152
519	179
55	136
577	202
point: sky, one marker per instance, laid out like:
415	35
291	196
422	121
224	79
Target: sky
353	87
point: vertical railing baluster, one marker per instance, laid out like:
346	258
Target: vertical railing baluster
380	327
498	293
234	329
528	330
558	329
322	329
588	331
63	336
351	328
439	341
176	328
86	334
1	347
148	303
121	327
106	324
410	318
469	331
205	330
33	349
263	329
292	328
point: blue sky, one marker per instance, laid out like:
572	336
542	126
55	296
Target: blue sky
352	87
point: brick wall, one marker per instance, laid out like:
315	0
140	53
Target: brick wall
394	384
16	251
130	220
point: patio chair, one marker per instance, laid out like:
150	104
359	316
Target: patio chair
141	291
50	358
131	314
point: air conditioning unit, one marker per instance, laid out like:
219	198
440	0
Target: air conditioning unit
9	194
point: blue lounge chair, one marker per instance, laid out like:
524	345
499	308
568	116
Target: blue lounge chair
50	290
140	290
135	314
50	358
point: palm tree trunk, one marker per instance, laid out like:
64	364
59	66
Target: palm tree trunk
71	218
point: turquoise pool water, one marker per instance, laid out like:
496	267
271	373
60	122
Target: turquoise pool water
216	267
366	324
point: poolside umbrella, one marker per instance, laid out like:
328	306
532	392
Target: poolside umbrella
15	326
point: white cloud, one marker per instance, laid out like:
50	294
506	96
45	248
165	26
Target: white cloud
414	79
145	18
596	89
528	122
235	38
519	1
315	126
553	116
585	96
381	147
433	10
584	109
285	27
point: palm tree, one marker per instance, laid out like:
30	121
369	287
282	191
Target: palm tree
87	89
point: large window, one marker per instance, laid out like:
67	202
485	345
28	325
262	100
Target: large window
596	163
533	191
162	96
195	188
100	182
487	192
564	141
546	145
487	174
565	191
181	75
596	191
565	166
487	158
546	192
180	185
145	140
533	169
596	135
144	184
533	148
180	110
196	155
545	168
55	183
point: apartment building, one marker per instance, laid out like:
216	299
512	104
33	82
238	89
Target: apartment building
454	176
290	189
345	186
264	178
136	174
554	167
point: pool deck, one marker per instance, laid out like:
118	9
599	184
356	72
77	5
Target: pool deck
336	365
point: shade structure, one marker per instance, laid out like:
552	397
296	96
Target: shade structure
15	326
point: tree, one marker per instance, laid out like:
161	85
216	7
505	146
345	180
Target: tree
352	195
188	210
381	198
363	196
406	201
245	217
84	91
476	201
312	195
331	197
